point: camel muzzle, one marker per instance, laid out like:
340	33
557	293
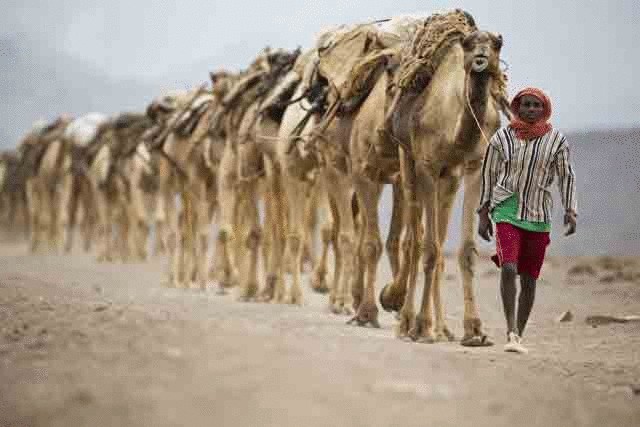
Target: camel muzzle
479	64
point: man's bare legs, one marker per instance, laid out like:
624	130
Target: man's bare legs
508	291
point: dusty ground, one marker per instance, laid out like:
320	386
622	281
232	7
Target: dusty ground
99	345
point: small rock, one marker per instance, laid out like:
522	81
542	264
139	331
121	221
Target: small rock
606	319
579	269
100	307
34	343
635	389
174	352
609	278
567	316
83	397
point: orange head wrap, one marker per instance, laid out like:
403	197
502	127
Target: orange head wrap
526	130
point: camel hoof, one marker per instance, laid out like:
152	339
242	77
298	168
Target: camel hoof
251	291
295	298
421	333
406	324
476	341
444	335
319	282
367	315
357	301
388	300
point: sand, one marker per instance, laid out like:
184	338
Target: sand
88	344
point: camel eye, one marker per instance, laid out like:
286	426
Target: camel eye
467	41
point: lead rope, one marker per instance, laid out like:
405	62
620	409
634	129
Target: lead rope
468	98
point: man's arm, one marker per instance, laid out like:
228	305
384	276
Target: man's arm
567	187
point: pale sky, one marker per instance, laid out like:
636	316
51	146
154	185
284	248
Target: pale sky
583	53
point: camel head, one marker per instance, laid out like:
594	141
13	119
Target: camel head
482	52
162	107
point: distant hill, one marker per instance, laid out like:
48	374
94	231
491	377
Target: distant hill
39	83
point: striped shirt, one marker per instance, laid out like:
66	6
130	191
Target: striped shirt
528	169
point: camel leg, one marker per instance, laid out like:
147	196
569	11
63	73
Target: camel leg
473	334
392	244
62	226
393	294
171	233
357	288
447	188
327	233
275	229
49	217
88	215
124	232
34	207
101	208
427	185
249	287
405	285
72	208
228	217
185	238
160	220
202	223
368	198
296	199
310	226
330	230
345	249
139	222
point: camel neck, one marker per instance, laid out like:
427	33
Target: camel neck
478	96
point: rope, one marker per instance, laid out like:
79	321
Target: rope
468	98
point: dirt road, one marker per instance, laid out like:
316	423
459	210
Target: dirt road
87	344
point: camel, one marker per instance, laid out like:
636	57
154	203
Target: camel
78	135
45	163
117	162
443	123
323	150
13	203
294	186
188	156
244	176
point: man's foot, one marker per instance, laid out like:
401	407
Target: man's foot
514	344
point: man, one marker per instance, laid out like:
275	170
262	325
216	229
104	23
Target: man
520	165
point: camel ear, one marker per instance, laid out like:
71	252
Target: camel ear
498	41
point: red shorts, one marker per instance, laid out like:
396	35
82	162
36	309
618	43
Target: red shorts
522	247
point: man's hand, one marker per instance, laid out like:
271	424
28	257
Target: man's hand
485	229
570	222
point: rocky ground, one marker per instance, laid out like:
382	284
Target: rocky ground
89	344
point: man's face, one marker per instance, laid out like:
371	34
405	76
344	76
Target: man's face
531	109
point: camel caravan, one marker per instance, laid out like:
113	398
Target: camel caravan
262	174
